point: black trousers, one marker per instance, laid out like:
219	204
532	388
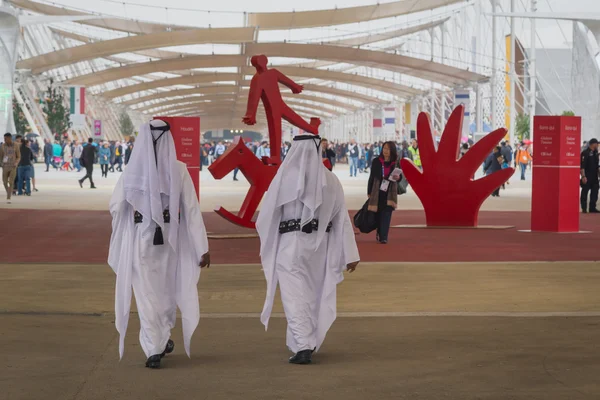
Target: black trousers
384	217
591	188
88	175
104	169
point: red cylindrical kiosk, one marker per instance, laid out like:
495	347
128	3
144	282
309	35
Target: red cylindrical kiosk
555	195
186	135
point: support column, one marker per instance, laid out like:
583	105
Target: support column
513	74
494	81
478	109
532	72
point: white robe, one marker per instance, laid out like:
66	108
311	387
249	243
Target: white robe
162	277
307	275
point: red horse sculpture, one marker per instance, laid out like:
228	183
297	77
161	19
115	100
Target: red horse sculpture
265	87
258	174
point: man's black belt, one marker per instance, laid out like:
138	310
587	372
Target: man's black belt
293	225
158	236
138	218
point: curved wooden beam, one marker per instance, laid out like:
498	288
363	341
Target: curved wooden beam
105	48
171	64
265	21
382	85
192	94
230	106
339	16
420	68
309	88
129	71
197	99
209	77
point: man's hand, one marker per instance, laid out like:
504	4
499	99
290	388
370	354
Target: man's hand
298	89
352	267
205	262
249	120
584	180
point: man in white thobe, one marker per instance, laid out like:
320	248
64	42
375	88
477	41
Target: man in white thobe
307	241
157	245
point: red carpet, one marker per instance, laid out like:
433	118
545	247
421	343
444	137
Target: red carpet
83	236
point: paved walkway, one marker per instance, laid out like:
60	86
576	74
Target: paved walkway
485	331
60	191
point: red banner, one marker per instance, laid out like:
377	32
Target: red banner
555	194
186	135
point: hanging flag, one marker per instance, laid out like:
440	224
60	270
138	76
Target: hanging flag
377	123
77	99
389	121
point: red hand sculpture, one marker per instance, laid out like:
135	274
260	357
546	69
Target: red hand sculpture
446	187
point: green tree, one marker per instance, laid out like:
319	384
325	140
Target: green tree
57	115
568	114
126	124
21	125
523	126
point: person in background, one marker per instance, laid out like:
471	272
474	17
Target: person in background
67	158
10	156
87	159
113	158
77	150
404	151
48	154
414	151
354	155
589	177
463	150
382	189
118	157
584	145
104	154
35	148
494	164
219	150
129	149
261	151
56	155
523	159
327	153
24	169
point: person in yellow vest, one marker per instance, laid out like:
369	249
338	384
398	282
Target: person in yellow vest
414	151
523	159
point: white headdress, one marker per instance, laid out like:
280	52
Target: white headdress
301	176
151	180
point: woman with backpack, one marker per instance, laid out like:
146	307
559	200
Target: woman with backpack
383	188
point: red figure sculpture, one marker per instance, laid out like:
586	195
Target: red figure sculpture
450	195
258	174
265	86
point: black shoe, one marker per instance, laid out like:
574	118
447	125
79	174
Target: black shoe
594	211
153	361
301	357
92	187
169	348
584	211
80	184
235	179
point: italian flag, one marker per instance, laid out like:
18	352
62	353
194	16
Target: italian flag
77	99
